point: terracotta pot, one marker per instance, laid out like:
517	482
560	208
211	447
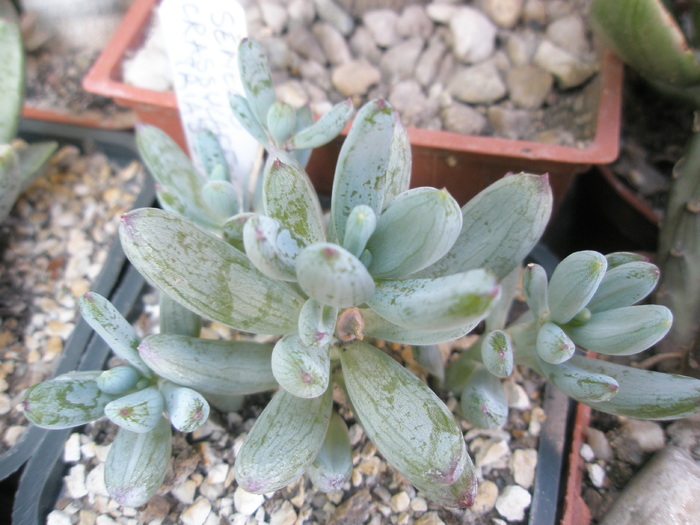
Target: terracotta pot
463	164
575	511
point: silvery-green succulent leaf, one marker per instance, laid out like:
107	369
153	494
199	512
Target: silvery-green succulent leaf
495	240
137	463
409	424
256	77
206	274
430	358
624	285
188	410
64	402
441	303
573	283
225	402
324	129
616	259
118	380
180	183
138	412
301	370
580	383
317	323
289	197
305	118
644	394
553	345
332	466
360	226
623	331
500	312
210	366
11	79
10	180
212	156
283	442
483	400
110	325
458	371
333	276
360	174
176	319
244	114
535	289
379	328
497	353
32	158
460	494
281	121
232	230
414	231
398	172
221	197
270	248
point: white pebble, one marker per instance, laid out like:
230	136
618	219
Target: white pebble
522	464
596	474
196	514
95	482
58	517
486	497
285	515
516	396
75	481
513	502
400	502
71	450
247	503
587	452
492	452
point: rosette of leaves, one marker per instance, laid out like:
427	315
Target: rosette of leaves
20	163
392	263
590	303
142	395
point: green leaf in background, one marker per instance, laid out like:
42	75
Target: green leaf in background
211	155
11	79
317	323
187	408
573	283
271	247
483	400
138	412
359	228
257	82
553	345
535	289
497	353
281	121
118	380
578	382
176	319
301	370
624	285
244	114
332	466
379	328
324	129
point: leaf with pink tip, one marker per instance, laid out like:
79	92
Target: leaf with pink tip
302	370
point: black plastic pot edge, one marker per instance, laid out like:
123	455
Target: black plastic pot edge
42	479
118	146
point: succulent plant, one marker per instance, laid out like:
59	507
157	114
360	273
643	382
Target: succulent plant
388	263
20	163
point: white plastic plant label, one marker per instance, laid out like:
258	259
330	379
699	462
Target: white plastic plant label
202	37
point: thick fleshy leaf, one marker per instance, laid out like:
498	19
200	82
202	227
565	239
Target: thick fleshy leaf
535	289
270	247
119	380
379	328
483	400
497	353
623	331
317	323
360	226
616	259
221	197
10	180
11	79
187	409
301	370
459	370
281	121
500	313
206	274
256	78
436	304
111	326
67	401
553	345
430	358
32	158
324	129
211	156
210	366
644	394
580	383
225	402
496	240
138	412
289	197
361	171
244	114
573	283
333	276
173	170
232	230
409	424
137	463
413	232
398	172
624	285
460	494
284	441
332	466
176	319
305	118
